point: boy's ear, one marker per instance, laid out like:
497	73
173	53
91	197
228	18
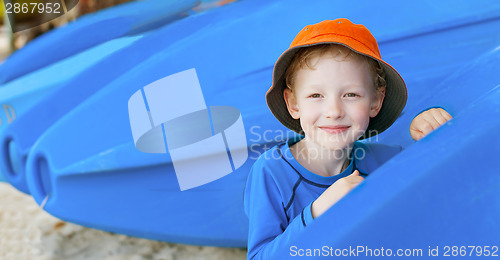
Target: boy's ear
291	103
377	102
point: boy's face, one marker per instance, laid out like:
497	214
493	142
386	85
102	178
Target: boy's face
335	101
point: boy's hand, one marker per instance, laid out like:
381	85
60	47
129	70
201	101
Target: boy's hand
334	193
427	122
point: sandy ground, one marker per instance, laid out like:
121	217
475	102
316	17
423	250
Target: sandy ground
28	232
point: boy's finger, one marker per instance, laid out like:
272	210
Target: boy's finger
442	117
445	114
357	180
416	135
431	120
355	177
414	128
426	128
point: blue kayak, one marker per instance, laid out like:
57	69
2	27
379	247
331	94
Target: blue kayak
84	166
42	114
19	95
90	30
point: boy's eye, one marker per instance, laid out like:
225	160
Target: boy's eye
315	95
351	95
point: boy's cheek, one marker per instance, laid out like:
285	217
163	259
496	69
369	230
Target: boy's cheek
310	113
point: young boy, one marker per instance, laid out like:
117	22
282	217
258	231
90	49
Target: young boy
332	87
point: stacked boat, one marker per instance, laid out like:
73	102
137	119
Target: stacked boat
103	120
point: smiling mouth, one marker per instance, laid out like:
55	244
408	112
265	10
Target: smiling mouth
335	130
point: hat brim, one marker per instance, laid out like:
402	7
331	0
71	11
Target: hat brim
392	106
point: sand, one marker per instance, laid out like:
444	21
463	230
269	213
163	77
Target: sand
28	232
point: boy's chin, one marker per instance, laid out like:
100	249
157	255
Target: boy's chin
343	140
336	146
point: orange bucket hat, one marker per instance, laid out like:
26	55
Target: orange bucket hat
357	38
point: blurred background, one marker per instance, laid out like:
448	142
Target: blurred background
10	42
28	232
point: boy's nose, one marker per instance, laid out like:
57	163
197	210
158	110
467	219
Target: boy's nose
334	109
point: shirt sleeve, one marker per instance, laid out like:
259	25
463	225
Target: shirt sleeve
307	214
269	228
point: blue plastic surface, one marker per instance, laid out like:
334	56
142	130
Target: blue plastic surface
127	19
19	95
25	130
84	167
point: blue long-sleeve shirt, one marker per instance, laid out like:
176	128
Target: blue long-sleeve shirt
279	193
